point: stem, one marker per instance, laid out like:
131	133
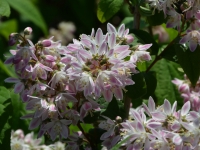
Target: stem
137	16
127	103
86	136
160	55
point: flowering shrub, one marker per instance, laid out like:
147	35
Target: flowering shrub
96	92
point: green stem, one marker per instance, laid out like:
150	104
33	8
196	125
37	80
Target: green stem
159	57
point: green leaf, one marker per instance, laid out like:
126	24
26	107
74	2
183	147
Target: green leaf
113	105
117	146
29	10
147	39
8	27
151	82
128	22
166	71
189	61
107	8
157	19
4	94
138	89
4	8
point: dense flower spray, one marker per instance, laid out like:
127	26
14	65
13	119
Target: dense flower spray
154	128
179	13
61	84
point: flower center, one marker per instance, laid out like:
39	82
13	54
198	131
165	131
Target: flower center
97	64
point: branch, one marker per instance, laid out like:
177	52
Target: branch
160	55
127	103
86	136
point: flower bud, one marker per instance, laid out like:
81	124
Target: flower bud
46	43
118	119
28	30
12	39
129	38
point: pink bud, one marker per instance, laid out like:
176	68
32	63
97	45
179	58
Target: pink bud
28	30
46	43
19	133
129	38
12	39
183	88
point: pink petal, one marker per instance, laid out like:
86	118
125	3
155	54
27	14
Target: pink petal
42	74
185	109
108	95
85	54
49	58
154	125
44	67
151	104
144	47
194	114
111	40
103	48
118	93
12	80
9	60
140	127
121	30
87	106
19	87
174	107
136	116
121	48
192	45
158	116
177	140
110	53
167	107
35	122
99	36
175	126
123	54
93	49
86	42
111	28
184	40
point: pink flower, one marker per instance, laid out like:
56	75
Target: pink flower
192	38
58	127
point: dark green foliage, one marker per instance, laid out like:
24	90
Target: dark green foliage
11	109
147	39
157	19
107	8
189	61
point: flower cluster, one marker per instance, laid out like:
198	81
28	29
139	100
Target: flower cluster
180	13
61	84
189	92
165	129
19	141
